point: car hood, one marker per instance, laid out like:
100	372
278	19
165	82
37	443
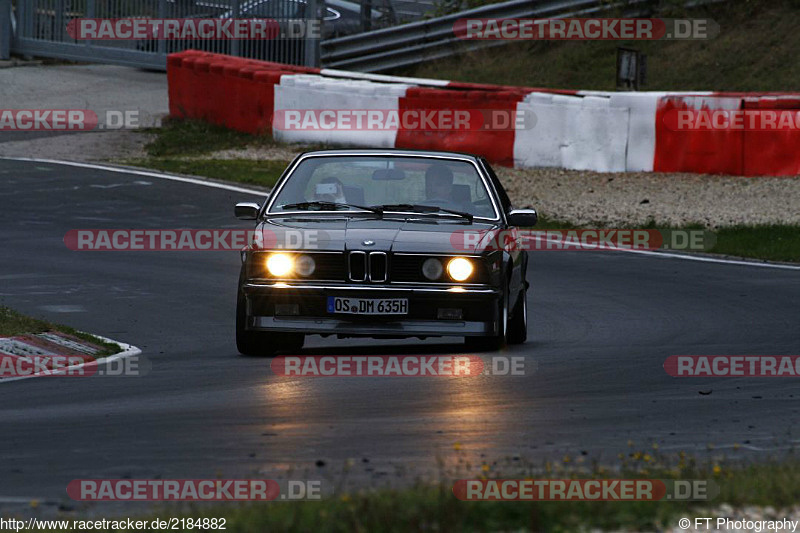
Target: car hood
421	235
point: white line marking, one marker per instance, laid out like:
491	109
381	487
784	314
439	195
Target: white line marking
15	499
147	173
66	343
662	255
665	255
22	349
703	259
64	308
127	351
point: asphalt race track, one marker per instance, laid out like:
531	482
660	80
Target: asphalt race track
601	326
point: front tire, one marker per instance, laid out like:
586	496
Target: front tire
518	325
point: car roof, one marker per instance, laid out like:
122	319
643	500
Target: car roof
390	152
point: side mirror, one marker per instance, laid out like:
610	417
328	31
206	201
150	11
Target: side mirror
247	210
522	217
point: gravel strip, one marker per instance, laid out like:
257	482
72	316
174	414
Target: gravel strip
87	146
634	198
277	153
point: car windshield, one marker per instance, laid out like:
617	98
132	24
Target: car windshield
408	183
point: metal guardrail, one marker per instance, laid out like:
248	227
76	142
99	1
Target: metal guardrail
409	44
41	30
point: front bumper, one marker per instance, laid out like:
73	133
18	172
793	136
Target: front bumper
479	306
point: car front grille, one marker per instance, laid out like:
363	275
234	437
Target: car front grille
367	266
407	268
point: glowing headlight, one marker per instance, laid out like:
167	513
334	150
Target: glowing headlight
459	268
304	265
280	265
432	269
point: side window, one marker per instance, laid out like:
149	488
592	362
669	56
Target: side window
505	201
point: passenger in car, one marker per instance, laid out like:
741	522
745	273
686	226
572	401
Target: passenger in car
330	189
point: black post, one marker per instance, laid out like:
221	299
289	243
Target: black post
6	32
366	15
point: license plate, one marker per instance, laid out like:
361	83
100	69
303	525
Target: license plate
368	306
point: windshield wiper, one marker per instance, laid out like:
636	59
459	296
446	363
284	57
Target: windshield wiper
419	208
329	206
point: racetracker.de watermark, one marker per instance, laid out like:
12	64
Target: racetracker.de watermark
67	120
461	240
213	29
583	489
401	366
86	240
583	239
584	29
732	119
71	366
725	366
194	490
403	119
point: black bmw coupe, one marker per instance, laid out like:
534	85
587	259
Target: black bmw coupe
383	243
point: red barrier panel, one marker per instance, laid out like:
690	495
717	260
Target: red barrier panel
182	83
234	92
196	105
496	144
756	147
687	150
219	97
265	99
176	86
232	98
773	152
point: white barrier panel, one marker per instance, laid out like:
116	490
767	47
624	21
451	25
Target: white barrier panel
641	134
572	132
597	138
695	101
310	92
641	124
541	145
334	73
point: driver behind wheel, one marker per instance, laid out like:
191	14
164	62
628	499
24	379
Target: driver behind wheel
439	183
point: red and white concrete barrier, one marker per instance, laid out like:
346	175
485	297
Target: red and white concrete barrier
586	130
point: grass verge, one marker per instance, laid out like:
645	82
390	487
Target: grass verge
264	173
184	147
181	138
768	242
433	507
13	323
